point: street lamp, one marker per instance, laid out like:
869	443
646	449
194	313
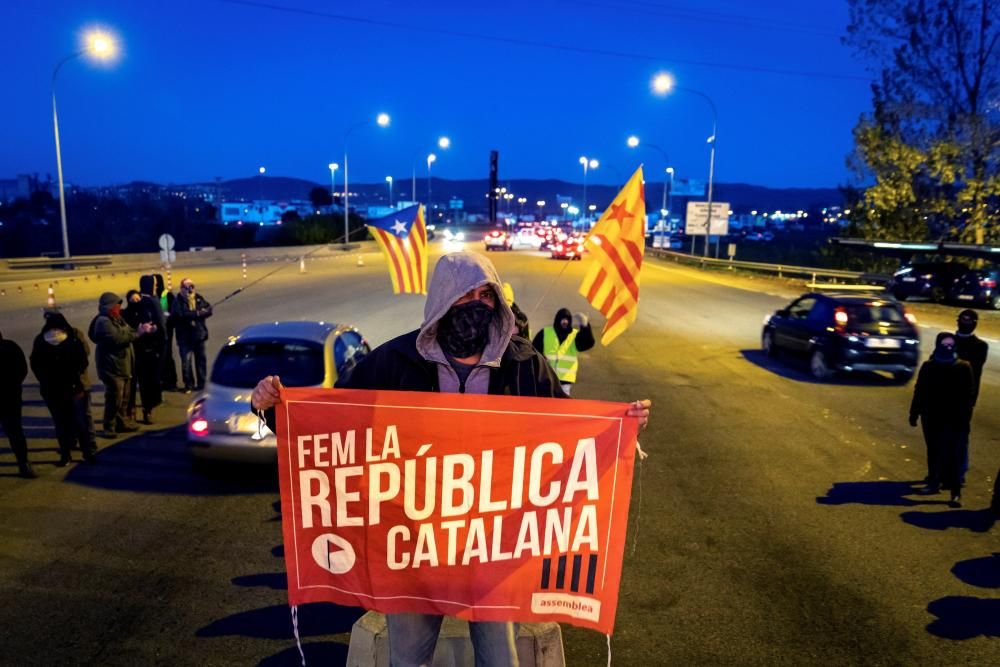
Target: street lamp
587	164
521	201
97	44
382	120
431	159
444	143
388	179
260	187
541	207
662	84
633	142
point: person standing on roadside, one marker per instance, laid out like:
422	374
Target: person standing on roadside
59	359
942	401
115	362
466	344
132	314
149	349
973	349
562	342
190	311
521	327
13	370
168	369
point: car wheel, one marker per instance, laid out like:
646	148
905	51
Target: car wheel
818	366
899	296
767	344
902	377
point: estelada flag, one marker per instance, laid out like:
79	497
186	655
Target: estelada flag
489	508
616	245
403	239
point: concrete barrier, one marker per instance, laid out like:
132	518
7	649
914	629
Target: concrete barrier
538	644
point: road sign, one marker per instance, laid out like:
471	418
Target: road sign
168	256
731	250
456	204
166	242
697	218
687	187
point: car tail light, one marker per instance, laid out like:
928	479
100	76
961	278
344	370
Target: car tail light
988	282
559	247
199	426
910	317
840	317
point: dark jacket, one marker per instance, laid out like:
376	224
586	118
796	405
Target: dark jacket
396	365
189	325
520	322
113	338
13	370
61	368
973	349
148	310
943	393
584	339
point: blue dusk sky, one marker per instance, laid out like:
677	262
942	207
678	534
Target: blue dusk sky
207	88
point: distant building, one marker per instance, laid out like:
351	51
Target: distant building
22	187
261	212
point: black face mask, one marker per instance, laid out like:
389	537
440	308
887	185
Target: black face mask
945	354
966	326
464	330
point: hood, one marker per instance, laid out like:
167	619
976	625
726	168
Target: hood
147	284
57	321
107	302
454	275
561	333
160	285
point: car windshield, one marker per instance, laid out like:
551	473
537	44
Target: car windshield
243	364
872	312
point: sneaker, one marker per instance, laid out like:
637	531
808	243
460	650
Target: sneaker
956	500
26	471
64	461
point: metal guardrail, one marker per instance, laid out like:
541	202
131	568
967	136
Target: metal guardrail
862	281
25	263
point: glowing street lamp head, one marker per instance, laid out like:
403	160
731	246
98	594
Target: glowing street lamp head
431	158
632	141
261	170
594	164
540	203
670	170
333	166
383	120
388	179
663	83
583	160
444	143
100	44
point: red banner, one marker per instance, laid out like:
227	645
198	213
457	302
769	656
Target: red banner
489	508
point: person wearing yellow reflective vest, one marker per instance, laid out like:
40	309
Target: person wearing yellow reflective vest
562	342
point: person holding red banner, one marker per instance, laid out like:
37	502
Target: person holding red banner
465	345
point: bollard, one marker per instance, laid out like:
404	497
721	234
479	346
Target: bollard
302	264
3	292
361	260
36	287
243	261
19	290
169	281
52	297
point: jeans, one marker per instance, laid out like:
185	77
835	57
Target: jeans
73	422
10	420
117	394
412	638
193	354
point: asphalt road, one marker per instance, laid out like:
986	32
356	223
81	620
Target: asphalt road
773	522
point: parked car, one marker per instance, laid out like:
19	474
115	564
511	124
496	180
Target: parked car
978	287
931	280
845	333
302	354
498	239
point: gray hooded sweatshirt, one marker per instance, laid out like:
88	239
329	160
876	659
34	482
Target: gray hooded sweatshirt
454	276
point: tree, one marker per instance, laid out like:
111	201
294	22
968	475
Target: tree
932	140
320	197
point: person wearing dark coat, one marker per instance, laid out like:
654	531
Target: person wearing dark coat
942	402
521	327
132	314
466	344
562	342
973	349
190	310
115	361
13	370
149	348
168	369
59	359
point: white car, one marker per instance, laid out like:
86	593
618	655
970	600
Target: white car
303	354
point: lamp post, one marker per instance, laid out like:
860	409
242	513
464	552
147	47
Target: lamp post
587	164
102	46
444	143
431	159
333	180
382	120
388	180
633	142
541	207
662	84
